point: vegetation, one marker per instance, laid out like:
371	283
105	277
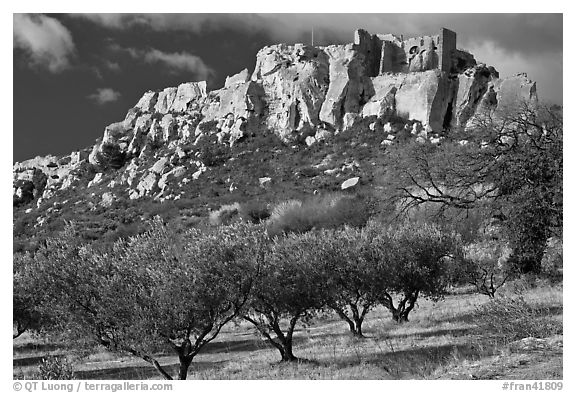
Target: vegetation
353	276
55	368
509	165
483	208
419	261
487	266
325	211
288	288
511	318
152	291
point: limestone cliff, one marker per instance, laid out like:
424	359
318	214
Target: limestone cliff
299	92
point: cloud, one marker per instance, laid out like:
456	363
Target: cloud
47	42
112	66
177	62
104	95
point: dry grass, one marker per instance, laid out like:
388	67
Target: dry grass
442	340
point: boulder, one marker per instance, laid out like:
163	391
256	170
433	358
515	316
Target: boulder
264	181
96	180
107	199
322	135
349	183
159	165
350	120
147	184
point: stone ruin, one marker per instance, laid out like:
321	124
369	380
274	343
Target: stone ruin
390	53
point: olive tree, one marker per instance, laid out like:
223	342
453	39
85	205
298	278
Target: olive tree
418	260
155	291
287	289
27	314
353	281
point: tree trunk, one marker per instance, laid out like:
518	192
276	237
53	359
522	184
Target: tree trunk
354	322
183	369
400	313
185	356
283	342
358	331
286	352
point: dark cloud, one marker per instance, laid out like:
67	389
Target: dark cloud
137	52
528	33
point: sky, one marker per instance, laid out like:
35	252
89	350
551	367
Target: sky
73	74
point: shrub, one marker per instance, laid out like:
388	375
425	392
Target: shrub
552	261
512	318
326	211
213	155
486	265
225	214
55	367
110	156
254	212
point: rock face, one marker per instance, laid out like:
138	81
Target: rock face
294	80
302	93
349	87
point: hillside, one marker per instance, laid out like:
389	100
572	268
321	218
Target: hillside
305	121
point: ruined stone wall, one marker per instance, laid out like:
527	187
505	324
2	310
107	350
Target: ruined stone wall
446	49
371	47
418	54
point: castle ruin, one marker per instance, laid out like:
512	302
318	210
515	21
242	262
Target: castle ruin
389	53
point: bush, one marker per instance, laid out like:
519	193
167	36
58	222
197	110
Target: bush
110	156
254	212
225	214
326	211
213	155
512	318
552	261
54	367
486	265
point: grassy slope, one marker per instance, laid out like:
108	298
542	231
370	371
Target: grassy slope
440	342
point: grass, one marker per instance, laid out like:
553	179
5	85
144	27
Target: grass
441	341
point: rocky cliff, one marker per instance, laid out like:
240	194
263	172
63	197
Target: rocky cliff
300	93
